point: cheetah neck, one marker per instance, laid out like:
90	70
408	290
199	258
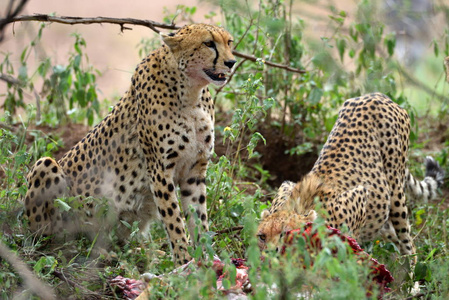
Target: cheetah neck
305	192
189	87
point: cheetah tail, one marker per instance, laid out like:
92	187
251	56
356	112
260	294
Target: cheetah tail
434	170
425	190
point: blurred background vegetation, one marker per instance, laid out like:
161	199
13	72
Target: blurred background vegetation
271	120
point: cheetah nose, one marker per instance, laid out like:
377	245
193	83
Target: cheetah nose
230	63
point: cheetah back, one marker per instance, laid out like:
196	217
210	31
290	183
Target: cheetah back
360	173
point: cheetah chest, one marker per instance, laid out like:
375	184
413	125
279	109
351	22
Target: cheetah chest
196	139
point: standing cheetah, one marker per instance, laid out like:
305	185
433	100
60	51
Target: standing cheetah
159	136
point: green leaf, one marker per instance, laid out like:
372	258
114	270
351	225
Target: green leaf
422	272
90	116
22	56
418	216
23	73
315	96
40	264
62	205
232	273
21	158
226	284
341	46
390	42
45	262
77	62
330	122
339	20
431	254
255	138
351	53
436	49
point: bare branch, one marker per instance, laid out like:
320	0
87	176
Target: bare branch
11	12
129	21
228	230
98	20
9	79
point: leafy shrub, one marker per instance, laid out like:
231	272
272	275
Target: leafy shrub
356	58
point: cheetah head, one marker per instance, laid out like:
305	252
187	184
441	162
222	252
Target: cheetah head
203	53
272	227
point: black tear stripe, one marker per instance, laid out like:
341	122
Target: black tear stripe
216	51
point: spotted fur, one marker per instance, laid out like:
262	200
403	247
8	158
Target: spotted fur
360	177
158	137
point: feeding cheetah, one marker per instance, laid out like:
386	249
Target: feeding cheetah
360	178
159	136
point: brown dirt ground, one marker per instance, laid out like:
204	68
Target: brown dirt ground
70	134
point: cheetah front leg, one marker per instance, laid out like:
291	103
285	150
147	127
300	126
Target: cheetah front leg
167	204
193	195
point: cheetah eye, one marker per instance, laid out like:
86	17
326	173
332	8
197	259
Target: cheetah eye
262	237
209	44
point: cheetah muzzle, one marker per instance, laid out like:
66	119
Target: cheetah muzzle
215	76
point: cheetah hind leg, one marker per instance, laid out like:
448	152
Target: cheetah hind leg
350	209
389	234
46	182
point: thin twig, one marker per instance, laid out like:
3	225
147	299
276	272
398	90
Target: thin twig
7	127
35	285
14	81
419	295
74	284
413	81
38	105
422	227
269	63
62	277
129	21
228	230
446	66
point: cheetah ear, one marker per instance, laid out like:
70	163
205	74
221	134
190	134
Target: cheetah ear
171	40
265	213
311	216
